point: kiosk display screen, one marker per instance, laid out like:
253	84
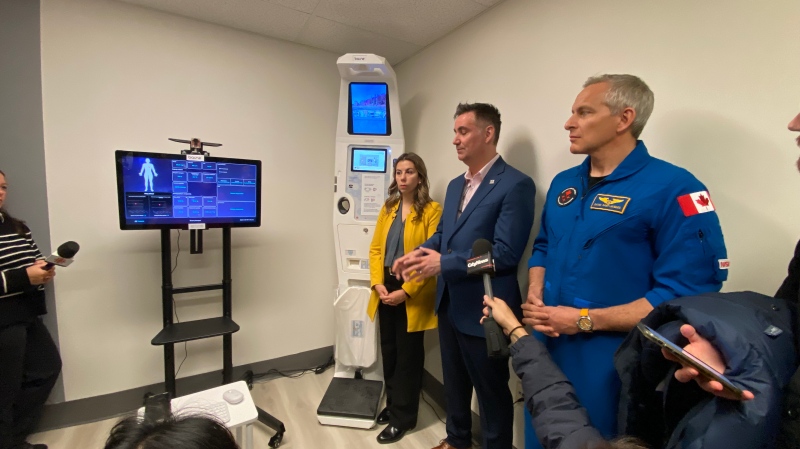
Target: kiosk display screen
369	109
170	191
369	160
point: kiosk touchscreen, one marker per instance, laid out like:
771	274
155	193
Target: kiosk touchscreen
369	135
369	113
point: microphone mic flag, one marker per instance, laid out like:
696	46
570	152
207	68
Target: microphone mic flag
482	264
63	255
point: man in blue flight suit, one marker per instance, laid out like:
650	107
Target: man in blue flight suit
620	234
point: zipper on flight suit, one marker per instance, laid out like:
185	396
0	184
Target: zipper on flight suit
588	189
700	236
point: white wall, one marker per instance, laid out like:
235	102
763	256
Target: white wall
116	76
725	75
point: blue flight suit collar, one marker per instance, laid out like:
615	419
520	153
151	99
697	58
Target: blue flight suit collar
635	161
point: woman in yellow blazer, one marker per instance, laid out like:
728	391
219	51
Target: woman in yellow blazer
407	219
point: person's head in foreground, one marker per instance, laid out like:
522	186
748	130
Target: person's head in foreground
175	432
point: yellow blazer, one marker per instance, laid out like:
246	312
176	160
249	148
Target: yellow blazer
421	294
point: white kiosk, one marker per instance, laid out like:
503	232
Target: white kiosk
369	134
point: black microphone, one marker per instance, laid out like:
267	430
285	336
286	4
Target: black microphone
482	264
63	255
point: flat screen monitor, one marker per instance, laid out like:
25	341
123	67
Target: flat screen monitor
368	160
174	191
369	109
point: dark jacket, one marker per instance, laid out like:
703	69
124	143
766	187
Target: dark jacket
789	436
686	417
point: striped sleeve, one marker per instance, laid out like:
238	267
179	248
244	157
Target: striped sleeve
17	253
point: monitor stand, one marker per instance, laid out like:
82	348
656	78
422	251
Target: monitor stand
224	326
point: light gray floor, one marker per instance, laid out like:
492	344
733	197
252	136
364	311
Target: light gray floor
293	401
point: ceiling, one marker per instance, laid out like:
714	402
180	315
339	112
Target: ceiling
394	29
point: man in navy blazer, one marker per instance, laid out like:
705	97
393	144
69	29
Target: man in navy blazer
492	201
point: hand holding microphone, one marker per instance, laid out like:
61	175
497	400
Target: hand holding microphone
63	255
482	264
501	313
43	271
39	274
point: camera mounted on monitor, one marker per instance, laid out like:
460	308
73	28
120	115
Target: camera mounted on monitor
196	146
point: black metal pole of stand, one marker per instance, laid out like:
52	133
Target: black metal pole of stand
196	241
227	305
166	300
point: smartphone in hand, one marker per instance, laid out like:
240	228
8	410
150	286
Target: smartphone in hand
688	359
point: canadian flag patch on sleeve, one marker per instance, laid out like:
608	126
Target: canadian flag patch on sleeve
696	203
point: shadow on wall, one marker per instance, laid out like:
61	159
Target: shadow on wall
521	154
744	172
412	112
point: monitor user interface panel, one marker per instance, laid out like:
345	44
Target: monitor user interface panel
157	191
368	107
368	160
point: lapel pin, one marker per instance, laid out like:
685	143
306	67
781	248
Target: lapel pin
491	181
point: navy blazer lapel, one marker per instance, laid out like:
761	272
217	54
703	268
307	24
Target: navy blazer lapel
450	212
492	178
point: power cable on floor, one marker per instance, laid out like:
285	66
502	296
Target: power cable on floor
432	408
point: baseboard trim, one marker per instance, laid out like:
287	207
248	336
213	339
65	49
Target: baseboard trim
98	408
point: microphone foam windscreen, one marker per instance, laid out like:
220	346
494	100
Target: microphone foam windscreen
481	246
68	250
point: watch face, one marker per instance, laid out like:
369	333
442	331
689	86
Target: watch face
585	324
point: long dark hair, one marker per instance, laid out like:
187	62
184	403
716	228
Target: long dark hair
421	194
19	225
192	432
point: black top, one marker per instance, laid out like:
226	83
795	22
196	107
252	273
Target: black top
789	435
594	180
790	290
19	300
791	285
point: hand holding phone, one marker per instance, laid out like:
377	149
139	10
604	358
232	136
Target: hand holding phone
707	377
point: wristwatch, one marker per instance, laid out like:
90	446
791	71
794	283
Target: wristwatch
585	323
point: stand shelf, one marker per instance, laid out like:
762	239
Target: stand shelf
195	330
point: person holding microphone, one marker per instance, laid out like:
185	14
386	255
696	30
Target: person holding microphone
29	359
